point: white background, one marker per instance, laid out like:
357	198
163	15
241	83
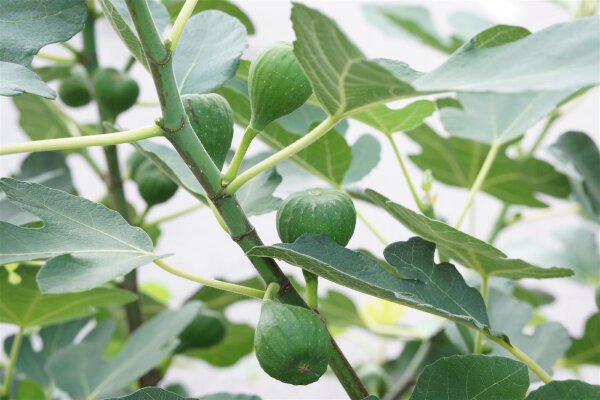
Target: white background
201	247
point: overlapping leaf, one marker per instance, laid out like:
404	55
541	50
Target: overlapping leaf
342	78
86	244
410	20
498	118
237	343
581	152
54	338
153	393
465	249
90	376
47	168
24	305
586	349
366	152
415	280
389	121
560	57
566	390
472	377
174	6
257	198
209	51
17	79
456	162
546	344
44	21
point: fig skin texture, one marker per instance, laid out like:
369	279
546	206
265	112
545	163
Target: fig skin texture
277	85
292	345
326	211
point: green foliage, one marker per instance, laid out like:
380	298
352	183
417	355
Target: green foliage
47	168
277	85
581	153
498	118
586	349
24	305
174	6
318	211
62	257
467	377
571	389
291	343
79	238
415	280
145	348
237	343
456	162
465	249
54	338
546	342
352	81
17	79
209	52
44	22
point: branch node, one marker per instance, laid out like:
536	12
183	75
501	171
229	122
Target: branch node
243	235
165	128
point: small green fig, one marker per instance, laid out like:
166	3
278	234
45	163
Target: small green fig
277	85
292	345
154	186
206	330
74	91
211	118
326	211
115	90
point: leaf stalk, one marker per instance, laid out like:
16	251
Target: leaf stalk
481	175
78	142
213	283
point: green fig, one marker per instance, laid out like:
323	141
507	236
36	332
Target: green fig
326	211
115	90
277	85
211	118
154	186
292	345
74	91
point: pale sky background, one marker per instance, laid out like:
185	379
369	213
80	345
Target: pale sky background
200	246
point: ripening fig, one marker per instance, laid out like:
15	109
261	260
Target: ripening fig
292	345
277	85
326	211
115	90
211	118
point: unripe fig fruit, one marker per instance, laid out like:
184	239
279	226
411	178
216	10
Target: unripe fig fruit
206	330
154	186
74	91
115	90
292	345
211	118
277	85
326	211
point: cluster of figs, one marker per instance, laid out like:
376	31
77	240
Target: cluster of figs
291	342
